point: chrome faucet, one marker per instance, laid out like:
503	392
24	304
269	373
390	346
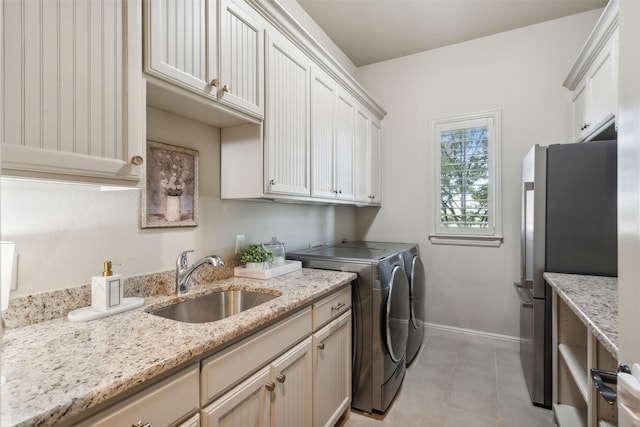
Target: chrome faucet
184	272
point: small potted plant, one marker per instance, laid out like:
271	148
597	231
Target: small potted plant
256	257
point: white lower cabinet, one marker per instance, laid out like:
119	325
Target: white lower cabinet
332	371
291	398
245	405
162	404
286	375
576	401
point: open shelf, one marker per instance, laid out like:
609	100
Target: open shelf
568	416
575	358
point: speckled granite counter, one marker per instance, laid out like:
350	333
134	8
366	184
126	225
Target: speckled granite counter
594	300
56	369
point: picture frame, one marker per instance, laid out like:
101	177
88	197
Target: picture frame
170	196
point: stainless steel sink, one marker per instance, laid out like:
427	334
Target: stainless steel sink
212	307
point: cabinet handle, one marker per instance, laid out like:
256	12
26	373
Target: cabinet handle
225	88
584	126
270	386
137	160
140	423
338	306
281	377
214	83
272	182
371	196
321	346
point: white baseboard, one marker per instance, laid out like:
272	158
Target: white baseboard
481	334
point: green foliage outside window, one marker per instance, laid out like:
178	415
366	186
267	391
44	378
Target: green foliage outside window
464	175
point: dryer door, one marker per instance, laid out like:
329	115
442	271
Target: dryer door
397	314
418	291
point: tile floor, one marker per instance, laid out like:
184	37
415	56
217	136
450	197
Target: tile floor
460	380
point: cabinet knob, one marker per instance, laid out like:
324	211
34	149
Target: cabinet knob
214	83
140	423
339	191
225	88
371	196
270	386
321	346
137	160
281	377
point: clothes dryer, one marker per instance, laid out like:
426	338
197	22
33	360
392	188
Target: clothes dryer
417	285
380	316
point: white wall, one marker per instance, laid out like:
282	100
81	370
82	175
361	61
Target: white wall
296	11
520	72
63	232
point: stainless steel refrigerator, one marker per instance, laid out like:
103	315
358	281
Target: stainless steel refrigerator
569	225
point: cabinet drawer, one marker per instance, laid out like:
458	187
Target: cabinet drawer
161	404
331	307
228	367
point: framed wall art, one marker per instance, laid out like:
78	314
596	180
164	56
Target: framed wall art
170	197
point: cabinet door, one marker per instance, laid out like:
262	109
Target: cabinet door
245	405
375	162
579	112
332	371
344	143
287	127
367	165
323	107
602	86
292	397
71	107
241	57
181	46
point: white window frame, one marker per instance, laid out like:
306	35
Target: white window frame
484	236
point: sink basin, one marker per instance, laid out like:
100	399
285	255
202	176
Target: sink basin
212	307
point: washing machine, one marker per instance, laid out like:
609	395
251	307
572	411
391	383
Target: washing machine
417	288
380	317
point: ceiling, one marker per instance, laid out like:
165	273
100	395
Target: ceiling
370	31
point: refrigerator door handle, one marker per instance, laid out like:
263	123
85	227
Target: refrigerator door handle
525	299
527	186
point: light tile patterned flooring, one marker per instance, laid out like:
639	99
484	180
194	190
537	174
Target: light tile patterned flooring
461	380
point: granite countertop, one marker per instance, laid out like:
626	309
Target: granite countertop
56	369
594	299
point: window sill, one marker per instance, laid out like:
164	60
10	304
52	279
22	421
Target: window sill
466	240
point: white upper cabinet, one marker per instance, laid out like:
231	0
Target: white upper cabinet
72	106
182	43
241	82
593	79
212	48
305	148
368	167
332	139
287	118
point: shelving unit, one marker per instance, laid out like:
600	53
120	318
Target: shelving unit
576	402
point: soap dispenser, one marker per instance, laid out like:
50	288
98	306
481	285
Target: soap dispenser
106	290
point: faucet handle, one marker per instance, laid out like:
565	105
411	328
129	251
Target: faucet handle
182	261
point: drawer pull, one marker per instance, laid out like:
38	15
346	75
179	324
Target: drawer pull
281	378
141	423
338	306
321	346
270	386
